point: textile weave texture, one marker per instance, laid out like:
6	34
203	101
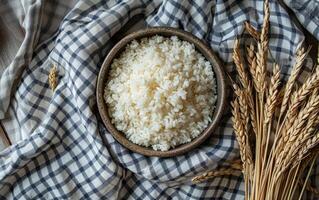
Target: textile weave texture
61	149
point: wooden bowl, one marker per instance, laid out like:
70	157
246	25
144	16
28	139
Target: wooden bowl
201	47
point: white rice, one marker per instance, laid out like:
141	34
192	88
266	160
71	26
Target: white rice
161	92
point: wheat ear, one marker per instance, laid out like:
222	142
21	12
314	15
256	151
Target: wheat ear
247	93
271	101
301	56
53	78
251	59
262	51
298	97
304	135
240	65
295	129
241	136
252	31
301	94
287	156
233	169
211	174
306	148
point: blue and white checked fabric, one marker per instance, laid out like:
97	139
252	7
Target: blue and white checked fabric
61	149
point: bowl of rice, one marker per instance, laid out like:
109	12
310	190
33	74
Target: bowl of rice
161	92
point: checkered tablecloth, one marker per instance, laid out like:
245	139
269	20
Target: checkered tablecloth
61	149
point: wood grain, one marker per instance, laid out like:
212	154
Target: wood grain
11	37
4	137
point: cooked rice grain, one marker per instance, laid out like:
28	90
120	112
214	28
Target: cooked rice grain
161	92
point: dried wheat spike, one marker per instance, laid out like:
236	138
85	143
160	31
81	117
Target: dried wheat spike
245	152
252	31
304	135
265	29
251	58
240	65
306	148
301	56
220	172
252	63
243	106
287	155
311	106
312	123
236	165
246	96
272	93
280	97
262	51
251	106
306	89
298	98
298	123
250	53
246	103
260	70
53	78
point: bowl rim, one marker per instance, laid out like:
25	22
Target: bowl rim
200	46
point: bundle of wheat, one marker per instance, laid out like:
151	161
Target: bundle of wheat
276	124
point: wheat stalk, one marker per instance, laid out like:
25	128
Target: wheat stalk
286	158
263	51
301	56
247	93
240	65
53	82
232	169
298	97
262	55
252	31
241	136
306	148
306	133
309	187
212	174
252	63
250	57
236	164
302	118
284	121
272	94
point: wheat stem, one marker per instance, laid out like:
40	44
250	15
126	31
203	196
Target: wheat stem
284	120
307	177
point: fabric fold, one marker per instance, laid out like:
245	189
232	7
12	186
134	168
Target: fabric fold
64	151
